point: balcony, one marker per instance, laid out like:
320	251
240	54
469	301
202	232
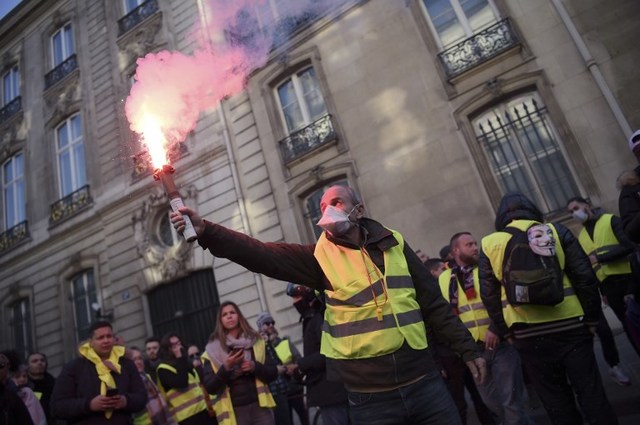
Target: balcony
61	71
10	109
478	49
137	15
13	236
316	134
70	204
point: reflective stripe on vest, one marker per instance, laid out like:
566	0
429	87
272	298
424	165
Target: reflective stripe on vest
604	239
472	313
352	328
222	406
494	246
183	403
283	351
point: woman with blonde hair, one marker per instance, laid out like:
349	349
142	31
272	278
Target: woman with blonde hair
237	371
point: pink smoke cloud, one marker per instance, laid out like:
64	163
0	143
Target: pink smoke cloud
234	38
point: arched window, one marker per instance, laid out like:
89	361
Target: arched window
525	153
83	295
20	324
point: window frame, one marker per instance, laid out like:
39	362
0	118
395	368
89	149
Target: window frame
15	85
462	19
294	77
72	143
26	320
67	51
20	208
125	6
88	300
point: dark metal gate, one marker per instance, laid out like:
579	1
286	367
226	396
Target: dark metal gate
186	307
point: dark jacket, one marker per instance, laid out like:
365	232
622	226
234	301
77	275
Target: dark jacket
12	409
296	263
78	384
629	206
242	389
577	265
45	387
320	392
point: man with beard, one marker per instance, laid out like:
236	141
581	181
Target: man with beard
503	389
41	381
152	346
378	300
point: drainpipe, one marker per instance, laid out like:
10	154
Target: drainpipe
234	171
593	67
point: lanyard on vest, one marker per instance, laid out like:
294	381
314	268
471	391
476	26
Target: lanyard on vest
382	280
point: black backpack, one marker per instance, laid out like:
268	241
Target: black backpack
527	277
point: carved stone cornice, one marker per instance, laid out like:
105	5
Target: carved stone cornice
162	263
62	99
140	41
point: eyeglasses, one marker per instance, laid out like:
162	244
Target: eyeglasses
269	323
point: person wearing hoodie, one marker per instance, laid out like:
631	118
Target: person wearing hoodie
604	241
555	342
629	206
41	381
378	301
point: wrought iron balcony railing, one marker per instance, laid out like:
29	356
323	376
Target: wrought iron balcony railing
10	109
475	50
137	15
70	204
59	72
13	236
307	139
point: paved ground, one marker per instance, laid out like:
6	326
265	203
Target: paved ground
625	400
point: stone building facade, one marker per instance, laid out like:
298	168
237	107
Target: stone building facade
431	109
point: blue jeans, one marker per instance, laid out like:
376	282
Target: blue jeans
503	388
336	414
426	401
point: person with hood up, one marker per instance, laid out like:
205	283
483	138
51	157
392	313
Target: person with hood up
629	206
555	341
378	300
41	381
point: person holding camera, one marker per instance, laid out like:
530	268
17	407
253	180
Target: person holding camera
238	371
180	384
101	386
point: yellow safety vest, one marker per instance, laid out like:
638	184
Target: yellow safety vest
357	325
283	351
183	403
494	246
472	313
603	240
223	406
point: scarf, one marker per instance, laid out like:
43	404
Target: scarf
156	405
104	368
218	355
464	275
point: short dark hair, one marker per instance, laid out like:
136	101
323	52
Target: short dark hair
152	339
455	238
97	325
33	353
445	251
432	263
578	199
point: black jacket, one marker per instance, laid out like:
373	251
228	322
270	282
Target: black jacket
78	384
242	389
577	265
296	263
44	386
320	392
629	206
12	409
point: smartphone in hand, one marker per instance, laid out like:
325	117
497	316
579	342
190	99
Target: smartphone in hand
112	392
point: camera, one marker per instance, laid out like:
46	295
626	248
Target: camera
294	290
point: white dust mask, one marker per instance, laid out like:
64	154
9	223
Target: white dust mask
336	221
580	215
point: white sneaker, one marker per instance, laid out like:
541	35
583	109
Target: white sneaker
619	377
